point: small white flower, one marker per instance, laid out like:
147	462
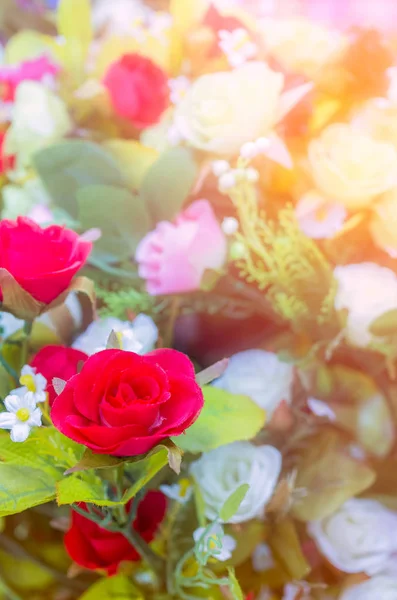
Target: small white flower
139	336
380	587
260	375
237	46
367	291
181	491
262	558
359	537
321	409
220	472
22	414
178	88
229	225
317	218
214	543
33	382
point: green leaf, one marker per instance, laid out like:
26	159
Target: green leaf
80	488
24	487
119	214
118	587
90	460
386	324
72	165
235	587
286	546
225	418
232	504
167	184
113	342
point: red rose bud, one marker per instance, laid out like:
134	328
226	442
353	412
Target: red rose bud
124	404
93	547
138	89
42	261
57	361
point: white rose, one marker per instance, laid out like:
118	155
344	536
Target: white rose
351	167
259	375
139	336
359	537
40	118
221	111
220	472
380	587
367	291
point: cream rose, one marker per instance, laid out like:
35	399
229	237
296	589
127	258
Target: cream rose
359	537
379	119
351	167
222	111
367	291
220	472
300	45
383	225
259	375
380	587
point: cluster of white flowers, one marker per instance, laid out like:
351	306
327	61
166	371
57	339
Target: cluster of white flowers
178	88
22	412
228	178
237	46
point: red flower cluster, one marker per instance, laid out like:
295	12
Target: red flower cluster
124	404
93	547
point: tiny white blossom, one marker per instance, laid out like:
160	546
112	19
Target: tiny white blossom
214	543
229	225
237	46
22	414
181	491
178	88
262	558
33	382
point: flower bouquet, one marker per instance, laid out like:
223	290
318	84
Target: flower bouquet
198	287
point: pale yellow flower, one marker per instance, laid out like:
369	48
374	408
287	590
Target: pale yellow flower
379	119
351	167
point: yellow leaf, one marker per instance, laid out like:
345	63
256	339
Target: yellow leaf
26	45
188	13
285	544
133	159
74	20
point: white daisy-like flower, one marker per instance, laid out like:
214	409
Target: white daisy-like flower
214	543
237	46
220	472
22	414
32	382
181	491
139	336
178	88
318	218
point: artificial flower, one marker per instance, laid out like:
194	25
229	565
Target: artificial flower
94	547
40	118
260	375
221	471
22	414
174	257
318	218
214	543
138	89
32	381
262	558
358	537
367	291
382	587
383	224
42	261
351	167
40	69
52	362
181	491
138	336
178	88
117	18
378	118
237	46
134	401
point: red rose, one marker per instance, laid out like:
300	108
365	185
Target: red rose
42	261
57	361
124	404
93	547
138	89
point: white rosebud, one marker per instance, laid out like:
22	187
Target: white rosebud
220	472
248	150
359	537
22	414
260	375
380	587
367	291
229	225
227	181
139	336
214	542
220	167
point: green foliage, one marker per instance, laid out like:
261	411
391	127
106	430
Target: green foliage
168	183
235	589
233	503
129	300
118	587
225	418
119	214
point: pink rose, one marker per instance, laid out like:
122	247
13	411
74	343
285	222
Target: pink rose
174	256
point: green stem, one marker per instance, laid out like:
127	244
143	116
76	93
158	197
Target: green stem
9	368
27	329
144	550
